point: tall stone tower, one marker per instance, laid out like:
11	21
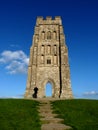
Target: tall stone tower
49	60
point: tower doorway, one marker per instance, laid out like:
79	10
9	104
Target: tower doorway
48	89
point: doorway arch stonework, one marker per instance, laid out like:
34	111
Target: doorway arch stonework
53	86
49	60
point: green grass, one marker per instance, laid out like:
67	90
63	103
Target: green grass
19	114
80	114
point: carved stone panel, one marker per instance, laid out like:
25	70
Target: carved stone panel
48	49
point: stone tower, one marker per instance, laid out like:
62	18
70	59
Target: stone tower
49	60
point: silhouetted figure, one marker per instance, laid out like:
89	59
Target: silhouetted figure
35	92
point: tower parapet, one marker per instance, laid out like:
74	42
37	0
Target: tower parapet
49	20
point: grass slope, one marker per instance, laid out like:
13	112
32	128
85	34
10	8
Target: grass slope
19	114
80	114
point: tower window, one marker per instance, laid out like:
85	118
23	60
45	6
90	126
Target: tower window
48	35
54	35
48	61
43	35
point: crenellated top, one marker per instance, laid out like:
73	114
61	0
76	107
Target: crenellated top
49	20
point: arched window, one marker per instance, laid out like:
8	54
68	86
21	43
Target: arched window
42	59
55	59
43	35
48	35
54	35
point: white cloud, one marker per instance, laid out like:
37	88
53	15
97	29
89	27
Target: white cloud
26	61
16	61
90	93
12	55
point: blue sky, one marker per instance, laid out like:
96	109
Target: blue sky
80	21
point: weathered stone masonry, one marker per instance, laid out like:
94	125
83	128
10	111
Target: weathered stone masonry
49	60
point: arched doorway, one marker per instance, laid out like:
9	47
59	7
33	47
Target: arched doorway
48	89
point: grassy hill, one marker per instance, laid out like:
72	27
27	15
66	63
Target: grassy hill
80	114
20	114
